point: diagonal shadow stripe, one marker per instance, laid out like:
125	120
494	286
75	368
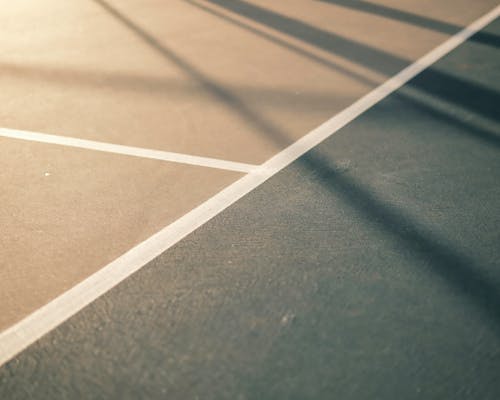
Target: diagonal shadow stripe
483	100
413	19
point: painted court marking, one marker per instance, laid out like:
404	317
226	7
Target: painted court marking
19	336
127	150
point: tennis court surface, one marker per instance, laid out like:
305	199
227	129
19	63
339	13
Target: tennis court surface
210	199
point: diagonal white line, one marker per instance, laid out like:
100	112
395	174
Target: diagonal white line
19	336
128	150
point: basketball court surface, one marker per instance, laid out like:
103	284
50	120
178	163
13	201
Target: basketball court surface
250	199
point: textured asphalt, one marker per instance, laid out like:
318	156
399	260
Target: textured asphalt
368	269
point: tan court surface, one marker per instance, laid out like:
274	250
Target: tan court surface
193	77
68	212
196	78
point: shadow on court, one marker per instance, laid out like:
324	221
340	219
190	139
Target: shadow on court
413	19
481	100
462	273
158	86
449	90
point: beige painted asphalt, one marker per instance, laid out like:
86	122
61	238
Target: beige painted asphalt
66	213
196	77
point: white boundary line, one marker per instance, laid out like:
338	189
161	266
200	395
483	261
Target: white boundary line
19	336
127	150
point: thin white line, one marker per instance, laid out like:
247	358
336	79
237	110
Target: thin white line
16	338
127	150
